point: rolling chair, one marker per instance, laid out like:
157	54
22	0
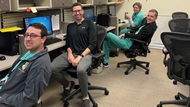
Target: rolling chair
177	15
179	25
139	48
96	61
178	63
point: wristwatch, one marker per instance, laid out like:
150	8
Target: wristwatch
82	55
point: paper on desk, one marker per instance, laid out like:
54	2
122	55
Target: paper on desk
10	29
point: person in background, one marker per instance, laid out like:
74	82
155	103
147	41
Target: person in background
30	73
81	41
123	41
136	19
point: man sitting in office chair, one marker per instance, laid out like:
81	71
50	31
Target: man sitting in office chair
123	41
81	41
30	73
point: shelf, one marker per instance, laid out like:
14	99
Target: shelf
104	2
86	5
21	5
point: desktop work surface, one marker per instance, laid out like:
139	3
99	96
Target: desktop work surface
5	64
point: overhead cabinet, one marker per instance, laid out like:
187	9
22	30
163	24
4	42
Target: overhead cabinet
4	5
104	2
18	5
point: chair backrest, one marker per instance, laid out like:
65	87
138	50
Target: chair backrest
101	35
177	45
177	15
179	25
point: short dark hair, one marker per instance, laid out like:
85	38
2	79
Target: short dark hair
138	4
41	27
155	11
77	4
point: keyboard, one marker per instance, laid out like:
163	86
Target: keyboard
50	41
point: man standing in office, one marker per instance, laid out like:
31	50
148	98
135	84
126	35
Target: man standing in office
136	19
81	40
123	41
30	73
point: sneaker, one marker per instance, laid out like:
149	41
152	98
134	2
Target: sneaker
66	92
106	65
86	103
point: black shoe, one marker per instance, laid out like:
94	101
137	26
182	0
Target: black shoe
66	92
86	103
106	65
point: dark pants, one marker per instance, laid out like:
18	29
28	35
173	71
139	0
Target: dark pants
3	105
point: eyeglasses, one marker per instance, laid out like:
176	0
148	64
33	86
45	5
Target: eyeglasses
75	11
32	35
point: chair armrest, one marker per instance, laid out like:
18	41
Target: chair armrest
144	44
98	55
165	52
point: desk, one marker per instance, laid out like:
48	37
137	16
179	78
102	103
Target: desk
110	28
123	24
10	59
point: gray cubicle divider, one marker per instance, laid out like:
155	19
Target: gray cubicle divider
22	49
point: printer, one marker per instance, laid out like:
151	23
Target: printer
9	43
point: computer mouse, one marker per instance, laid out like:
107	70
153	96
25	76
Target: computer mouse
2	58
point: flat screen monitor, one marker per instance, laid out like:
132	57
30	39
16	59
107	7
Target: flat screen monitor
111	10
45	20
89	14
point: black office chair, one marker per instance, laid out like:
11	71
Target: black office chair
179	25
178	63
96	61
178	15
139	48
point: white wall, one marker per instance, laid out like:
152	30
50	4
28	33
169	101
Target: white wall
164	7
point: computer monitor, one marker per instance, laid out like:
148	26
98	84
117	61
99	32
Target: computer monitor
89	14
45	20
111	10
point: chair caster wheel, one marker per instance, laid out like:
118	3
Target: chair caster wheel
66	104
126	73
175	82
147	65
159	105
134	67
95	105
118	66
177	97
106	92
147	72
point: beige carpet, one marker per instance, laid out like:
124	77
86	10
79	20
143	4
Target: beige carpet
134	90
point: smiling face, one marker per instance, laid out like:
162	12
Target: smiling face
136	9
151	17
33	40
78	12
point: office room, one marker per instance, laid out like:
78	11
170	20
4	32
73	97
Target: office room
138	88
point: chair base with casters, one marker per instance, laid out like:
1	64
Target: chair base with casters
72	73
180	99
77	90
133	63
